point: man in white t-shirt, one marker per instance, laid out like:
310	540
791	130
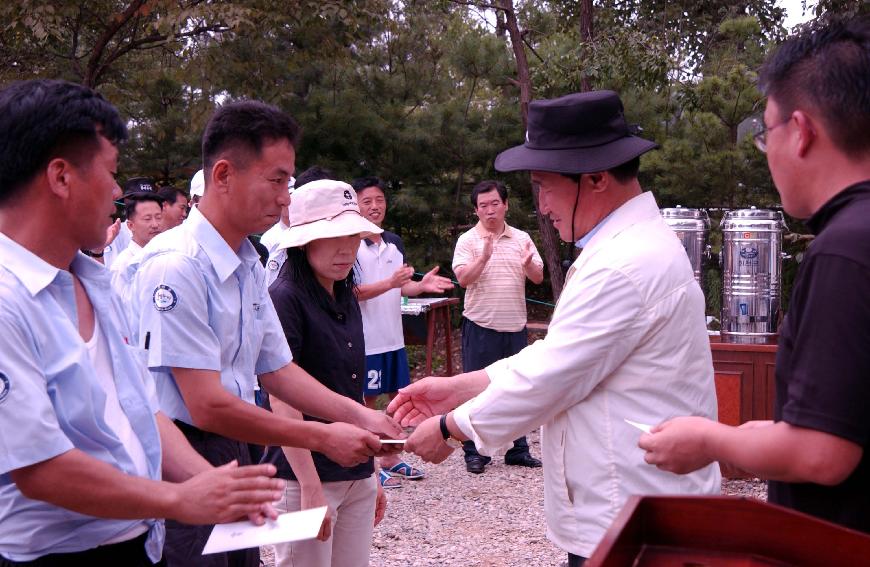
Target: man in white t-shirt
383	277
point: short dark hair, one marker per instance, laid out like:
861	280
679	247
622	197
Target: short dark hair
131	201
486	186
44	119
244	127
361	183
170	194
313	173
826	67
623	173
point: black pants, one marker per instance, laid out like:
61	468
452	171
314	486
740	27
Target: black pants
480	348
575	560
129	553
184	543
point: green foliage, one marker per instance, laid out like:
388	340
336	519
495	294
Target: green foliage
421	93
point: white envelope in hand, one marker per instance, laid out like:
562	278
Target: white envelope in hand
293	526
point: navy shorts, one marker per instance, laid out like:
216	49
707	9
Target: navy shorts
386	372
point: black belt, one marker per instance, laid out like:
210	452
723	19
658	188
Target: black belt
128	553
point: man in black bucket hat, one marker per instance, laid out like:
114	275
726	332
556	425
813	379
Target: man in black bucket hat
627	343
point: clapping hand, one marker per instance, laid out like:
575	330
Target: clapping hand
487	245
402	276
528	254
433	283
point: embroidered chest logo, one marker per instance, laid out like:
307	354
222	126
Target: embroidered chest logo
272	265
164	298
4	387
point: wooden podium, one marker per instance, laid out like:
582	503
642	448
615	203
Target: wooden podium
671	531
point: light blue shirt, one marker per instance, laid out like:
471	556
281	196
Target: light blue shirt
201	305
51	400
588	236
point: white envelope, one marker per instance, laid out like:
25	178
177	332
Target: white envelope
293	526
642	426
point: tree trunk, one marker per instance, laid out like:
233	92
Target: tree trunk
586	35
549	237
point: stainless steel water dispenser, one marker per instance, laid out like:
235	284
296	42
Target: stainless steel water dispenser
751	275
692	227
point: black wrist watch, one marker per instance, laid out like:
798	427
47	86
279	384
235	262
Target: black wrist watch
93	254
448	439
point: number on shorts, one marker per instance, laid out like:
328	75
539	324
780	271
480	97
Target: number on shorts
374	379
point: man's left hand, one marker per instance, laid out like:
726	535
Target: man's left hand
428	442
528	255
678	445
433	283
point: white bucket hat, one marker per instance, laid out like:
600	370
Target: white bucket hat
197	184
324	209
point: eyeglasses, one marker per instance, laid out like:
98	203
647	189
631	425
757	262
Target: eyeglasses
754	126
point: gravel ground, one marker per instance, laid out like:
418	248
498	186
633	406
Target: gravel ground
453	518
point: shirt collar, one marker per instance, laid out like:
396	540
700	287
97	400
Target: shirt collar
588	236
33	272
481	231
823	216
222	257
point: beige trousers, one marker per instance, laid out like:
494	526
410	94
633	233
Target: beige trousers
353	515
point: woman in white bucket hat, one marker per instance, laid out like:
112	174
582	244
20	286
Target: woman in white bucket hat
316	303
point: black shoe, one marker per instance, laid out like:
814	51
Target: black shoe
475	464
524	460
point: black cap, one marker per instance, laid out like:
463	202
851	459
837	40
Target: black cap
136	185
576	133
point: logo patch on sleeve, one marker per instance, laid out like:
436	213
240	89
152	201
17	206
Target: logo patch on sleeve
164	298
272	265
5	386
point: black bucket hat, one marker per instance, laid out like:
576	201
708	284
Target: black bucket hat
576	133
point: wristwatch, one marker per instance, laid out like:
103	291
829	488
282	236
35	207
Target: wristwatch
451	441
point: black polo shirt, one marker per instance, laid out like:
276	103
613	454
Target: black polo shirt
329	345
823	361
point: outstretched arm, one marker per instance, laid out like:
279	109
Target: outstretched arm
435	395
776	451
76	481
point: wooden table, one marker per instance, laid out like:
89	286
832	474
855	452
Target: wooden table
435	309
745	380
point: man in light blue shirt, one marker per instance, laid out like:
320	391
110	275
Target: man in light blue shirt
210	329
88	464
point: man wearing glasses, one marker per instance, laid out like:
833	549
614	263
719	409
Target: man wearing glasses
816	134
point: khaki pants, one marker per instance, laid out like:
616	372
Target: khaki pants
353	516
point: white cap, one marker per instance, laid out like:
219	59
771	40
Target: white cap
324	209
197	184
